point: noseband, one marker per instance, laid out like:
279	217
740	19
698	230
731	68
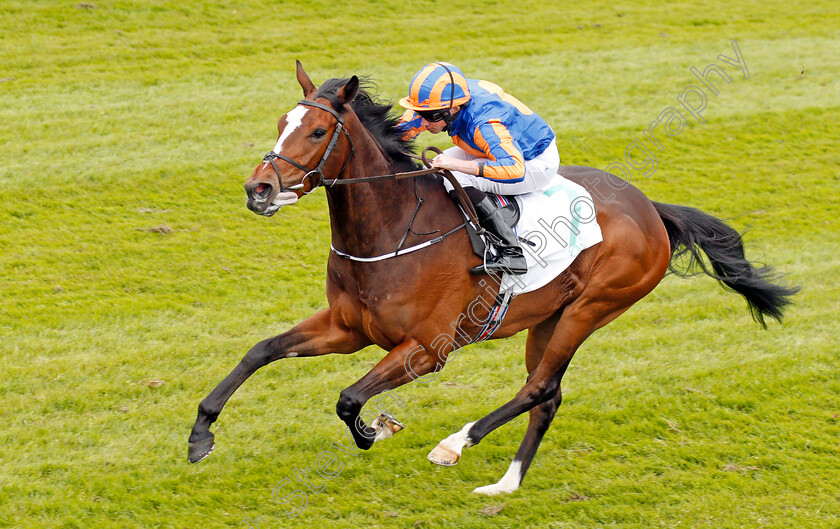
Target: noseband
315	176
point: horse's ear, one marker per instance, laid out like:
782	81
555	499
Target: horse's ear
304	80
348	92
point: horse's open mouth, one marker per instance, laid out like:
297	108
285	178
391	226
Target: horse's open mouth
262	192
259	204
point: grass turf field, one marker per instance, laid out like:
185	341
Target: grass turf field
132	278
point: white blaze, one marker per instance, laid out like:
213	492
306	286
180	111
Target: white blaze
293	120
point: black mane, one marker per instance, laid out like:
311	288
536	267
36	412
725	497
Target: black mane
376	116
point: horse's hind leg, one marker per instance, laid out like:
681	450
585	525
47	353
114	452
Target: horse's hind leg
541	416
314	336
578	321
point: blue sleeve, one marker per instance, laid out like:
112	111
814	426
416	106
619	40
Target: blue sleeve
410	124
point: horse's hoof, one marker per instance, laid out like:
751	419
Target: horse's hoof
200	449
443	456
386	425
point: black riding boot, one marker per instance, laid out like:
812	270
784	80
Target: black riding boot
509	258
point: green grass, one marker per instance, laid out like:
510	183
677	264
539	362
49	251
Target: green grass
135	115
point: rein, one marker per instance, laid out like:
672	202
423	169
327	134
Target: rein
316	180
466	203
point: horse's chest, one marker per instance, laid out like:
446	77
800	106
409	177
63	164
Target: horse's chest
383	317
374	299
381	313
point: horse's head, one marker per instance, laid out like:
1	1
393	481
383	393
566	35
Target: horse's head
309	146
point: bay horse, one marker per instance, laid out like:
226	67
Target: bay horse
413	304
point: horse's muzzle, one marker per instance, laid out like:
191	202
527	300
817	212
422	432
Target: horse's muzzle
259	192
259	196
264	199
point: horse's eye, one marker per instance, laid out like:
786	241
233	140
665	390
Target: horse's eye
319	133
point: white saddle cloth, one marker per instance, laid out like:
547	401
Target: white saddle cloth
560	221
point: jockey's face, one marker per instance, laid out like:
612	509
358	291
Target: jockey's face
436	127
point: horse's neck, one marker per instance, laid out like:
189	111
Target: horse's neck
370	218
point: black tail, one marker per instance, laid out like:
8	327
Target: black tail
691	230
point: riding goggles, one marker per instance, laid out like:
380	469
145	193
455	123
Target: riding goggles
433	115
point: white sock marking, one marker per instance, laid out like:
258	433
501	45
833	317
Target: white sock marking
458	441
509	482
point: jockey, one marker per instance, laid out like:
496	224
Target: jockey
501	147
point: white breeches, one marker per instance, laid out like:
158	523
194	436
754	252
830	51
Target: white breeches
538	173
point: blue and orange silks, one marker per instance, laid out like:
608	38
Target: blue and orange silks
495	126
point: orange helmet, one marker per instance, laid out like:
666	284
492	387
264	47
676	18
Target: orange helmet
436	86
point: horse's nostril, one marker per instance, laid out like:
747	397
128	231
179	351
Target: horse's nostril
262	191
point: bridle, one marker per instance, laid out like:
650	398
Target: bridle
316	179
315	176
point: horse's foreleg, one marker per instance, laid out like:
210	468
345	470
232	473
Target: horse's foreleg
316	335
402	364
